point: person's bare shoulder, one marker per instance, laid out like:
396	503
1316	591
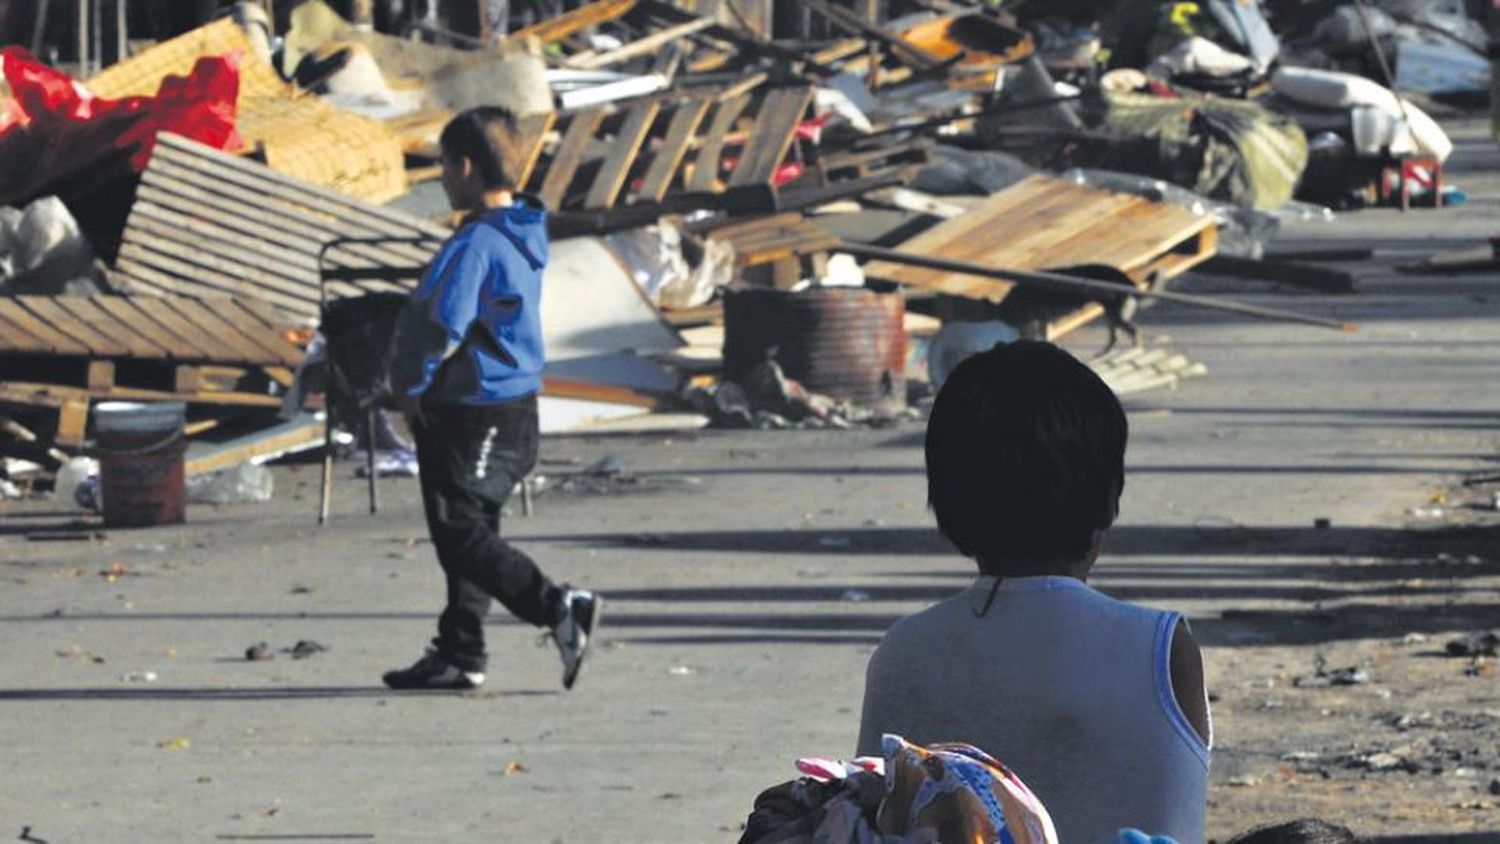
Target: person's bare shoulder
1187	679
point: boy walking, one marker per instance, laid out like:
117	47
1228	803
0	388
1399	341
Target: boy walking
468	361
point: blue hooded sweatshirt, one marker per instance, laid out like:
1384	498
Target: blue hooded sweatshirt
472	330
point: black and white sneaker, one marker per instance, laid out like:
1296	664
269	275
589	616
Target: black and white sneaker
581	610
433	672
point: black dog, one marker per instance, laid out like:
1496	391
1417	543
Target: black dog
1032	306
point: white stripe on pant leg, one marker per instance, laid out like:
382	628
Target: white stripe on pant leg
481	468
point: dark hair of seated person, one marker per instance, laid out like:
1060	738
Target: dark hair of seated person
1025	459
1303	831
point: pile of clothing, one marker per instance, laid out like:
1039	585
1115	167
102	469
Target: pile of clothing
941	792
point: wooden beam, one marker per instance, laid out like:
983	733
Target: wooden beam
641	46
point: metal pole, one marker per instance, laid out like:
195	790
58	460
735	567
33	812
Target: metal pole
83	39
39	27
122	38
97	37
1067	282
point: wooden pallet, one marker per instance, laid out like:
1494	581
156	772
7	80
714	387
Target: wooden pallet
1043	223
59	354
208	224
225	331
658	155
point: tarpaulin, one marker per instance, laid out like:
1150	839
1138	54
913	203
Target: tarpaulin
55	129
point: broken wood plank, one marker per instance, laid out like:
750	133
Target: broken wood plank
54	340
610	179
775	127
570	153
674	147
642	46
706	165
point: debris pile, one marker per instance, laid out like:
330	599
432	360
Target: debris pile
762	214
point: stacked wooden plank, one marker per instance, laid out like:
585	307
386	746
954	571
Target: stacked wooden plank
209	224
58	354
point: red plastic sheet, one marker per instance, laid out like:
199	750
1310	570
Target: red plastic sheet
55	128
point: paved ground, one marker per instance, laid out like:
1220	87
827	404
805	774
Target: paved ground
749	577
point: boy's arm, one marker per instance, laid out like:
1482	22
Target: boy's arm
871	726
1187	681
435	321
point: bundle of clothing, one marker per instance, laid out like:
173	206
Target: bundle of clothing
914	795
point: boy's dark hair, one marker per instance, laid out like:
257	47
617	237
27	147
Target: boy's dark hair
1304	831
1025	456
490	137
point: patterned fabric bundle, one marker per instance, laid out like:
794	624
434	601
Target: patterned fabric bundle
950	793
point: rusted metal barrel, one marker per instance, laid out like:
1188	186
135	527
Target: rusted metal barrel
845	342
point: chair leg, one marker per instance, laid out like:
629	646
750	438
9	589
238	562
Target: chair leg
370	458
326	498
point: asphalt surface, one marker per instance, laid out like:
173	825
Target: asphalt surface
749	575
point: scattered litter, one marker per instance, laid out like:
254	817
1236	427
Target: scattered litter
855	596
77	652
140	677
1381	761
175	743
512	768
1323	676
243	484
1475	644
680	671
258	652
304	649
835	542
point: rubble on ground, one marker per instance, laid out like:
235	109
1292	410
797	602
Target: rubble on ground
181	213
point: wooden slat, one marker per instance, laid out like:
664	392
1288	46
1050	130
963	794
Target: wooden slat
775	128
272	346
123	309
15	338
85	311
706	166
533	128
262	313
54	395
674	147
98	344
641	46
56	341
570	153
568	23
244	347
610	179
186	343
305	192
256	198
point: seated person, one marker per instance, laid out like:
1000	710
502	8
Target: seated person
1099	705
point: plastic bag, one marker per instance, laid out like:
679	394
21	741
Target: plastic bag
55	128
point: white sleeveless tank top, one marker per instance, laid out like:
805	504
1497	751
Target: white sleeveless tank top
1070	688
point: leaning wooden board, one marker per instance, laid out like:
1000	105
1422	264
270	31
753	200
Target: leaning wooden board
207	224
1047	223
